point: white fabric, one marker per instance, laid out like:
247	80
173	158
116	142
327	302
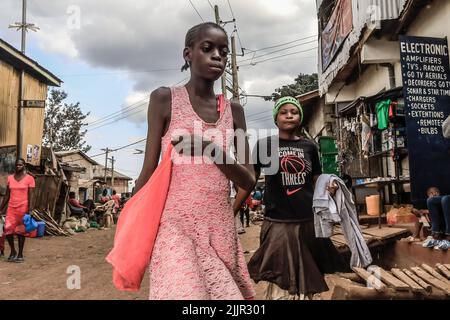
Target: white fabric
446	128
328	211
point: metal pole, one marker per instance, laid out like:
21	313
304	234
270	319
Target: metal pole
224	83
112	172
20	114
24	24
234	70
106	162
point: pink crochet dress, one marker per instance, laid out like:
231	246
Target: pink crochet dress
197	254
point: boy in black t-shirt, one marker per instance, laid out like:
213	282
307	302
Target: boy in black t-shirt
290	257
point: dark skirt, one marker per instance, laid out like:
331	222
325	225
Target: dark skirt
293	258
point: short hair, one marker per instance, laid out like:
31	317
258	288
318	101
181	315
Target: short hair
192	35
431	188
71	194
114	192
21	159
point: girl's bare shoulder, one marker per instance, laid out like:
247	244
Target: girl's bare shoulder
160	101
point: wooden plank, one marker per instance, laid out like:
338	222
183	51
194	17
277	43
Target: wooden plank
447	266
415	287
371	280
418	280
387	278
434	273
339	238
384	233
443	270
431	280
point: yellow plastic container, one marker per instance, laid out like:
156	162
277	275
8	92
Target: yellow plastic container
373	205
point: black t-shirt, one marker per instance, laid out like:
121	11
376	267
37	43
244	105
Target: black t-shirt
289	186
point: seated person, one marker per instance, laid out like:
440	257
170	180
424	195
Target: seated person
105	197
76	208
116	199
439	208
104	214
422	224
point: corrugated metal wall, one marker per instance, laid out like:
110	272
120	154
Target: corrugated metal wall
363	13
33	122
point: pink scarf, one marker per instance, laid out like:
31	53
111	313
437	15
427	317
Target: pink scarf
137	228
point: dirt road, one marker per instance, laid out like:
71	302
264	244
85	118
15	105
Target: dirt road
44	273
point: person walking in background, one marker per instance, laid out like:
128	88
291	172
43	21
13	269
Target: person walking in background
290	257
18	199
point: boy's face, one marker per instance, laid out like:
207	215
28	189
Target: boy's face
433	192
288	117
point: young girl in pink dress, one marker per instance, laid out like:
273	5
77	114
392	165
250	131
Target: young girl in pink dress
197	254
19	200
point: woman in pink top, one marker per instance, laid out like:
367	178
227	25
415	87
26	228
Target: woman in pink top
197	254
19	200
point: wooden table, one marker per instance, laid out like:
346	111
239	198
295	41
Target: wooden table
379	185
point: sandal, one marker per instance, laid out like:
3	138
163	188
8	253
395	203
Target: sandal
11	258
19	260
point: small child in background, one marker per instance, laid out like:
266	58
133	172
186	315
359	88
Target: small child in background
439	212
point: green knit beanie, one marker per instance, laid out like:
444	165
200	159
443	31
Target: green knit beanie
287	100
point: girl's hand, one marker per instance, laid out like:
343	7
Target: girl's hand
332	188
191	144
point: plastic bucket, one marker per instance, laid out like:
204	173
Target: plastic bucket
373	205
41	229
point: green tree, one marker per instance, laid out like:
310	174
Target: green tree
63	124
303	83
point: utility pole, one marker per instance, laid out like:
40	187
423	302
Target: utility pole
107	150
234	70
224	79
112	171
23	26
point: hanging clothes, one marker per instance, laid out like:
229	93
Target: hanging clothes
341	209
365	134
382	110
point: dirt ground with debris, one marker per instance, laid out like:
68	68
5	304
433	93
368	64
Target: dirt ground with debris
44	274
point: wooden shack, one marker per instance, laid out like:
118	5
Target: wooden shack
37	79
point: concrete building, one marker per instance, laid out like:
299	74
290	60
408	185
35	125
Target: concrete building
359	66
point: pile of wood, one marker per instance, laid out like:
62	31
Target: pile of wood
420	282
51	226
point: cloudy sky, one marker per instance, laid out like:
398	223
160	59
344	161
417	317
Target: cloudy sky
111	54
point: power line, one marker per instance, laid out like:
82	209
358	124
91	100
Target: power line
123	112
280	56
277	60
212	7
279	50
196	10
116	120
117	113
114	150
119	72
282	44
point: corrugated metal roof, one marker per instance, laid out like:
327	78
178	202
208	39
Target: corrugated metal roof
363	12
19	60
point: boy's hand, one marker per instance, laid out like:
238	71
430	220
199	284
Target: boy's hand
332	188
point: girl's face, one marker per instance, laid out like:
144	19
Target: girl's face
288	118
20	166
208	56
